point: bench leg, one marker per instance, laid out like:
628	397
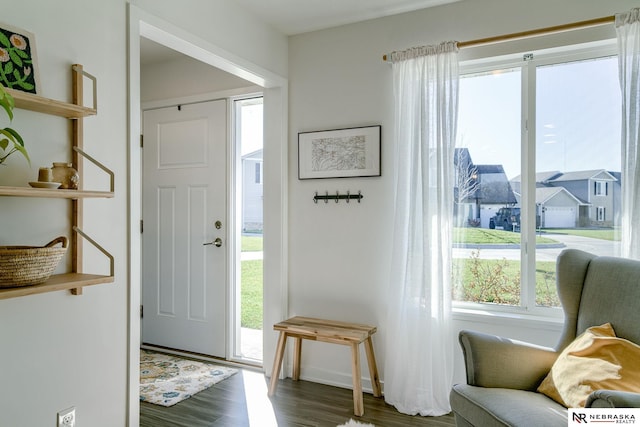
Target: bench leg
297	352
277	363
373	368
358	403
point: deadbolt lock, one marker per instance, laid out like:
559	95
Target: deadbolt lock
218	225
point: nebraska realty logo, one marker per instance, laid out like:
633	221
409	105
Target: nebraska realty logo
600	416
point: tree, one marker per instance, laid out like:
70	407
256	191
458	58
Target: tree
467	181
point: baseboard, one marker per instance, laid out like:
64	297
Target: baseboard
332	378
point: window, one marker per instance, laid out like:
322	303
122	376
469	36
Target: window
258	170
600	188
247	292
541	136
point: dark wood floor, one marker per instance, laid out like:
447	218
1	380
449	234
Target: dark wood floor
242	401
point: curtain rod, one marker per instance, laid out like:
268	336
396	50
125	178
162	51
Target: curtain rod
533	33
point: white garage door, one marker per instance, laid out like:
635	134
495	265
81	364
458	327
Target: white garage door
560	217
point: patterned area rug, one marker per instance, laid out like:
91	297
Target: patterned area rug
166	380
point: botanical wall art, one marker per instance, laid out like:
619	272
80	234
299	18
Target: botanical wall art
340	153
18	67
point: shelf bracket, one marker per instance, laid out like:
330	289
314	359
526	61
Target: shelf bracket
78	291
78	69
100	165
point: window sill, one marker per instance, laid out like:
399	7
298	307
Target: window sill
521	319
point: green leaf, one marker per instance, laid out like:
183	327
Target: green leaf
8	135
4	40
5	104
18	143
24	153
15	135
8	69
25	85
10	100
15	58
22	54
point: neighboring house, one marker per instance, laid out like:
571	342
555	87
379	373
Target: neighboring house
595	188
557	208
252	193
540	178
591	198
480	189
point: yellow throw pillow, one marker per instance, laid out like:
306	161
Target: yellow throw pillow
596	360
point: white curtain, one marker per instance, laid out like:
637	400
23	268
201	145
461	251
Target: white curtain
628	31
418	367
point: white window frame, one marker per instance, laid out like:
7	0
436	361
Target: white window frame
235	223
600	213
558	55
600	188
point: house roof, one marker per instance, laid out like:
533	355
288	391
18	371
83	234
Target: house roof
583	175
487	169
616	175
254	155
540	176
544	194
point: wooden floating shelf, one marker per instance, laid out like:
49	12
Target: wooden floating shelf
54	194
29	101
58	282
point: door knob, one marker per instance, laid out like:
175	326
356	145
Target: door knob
217	242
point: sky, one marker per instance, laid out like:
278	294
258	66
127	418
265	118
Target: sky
251	128
577	117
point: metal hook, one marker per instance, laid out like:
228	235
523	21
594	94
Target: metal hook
348	196
326	200
315	199
359	196
337	196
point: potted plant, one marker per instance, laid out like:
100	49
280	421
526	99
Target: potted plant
10	140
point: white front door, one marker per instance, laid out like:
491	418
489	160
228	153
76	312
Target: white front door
184	209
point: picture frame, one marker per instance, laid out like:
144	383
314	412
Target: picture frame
340	153
18	59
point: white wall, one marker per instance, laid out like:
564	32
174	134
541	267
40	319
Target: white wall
59	350
186	77
339	253
225	24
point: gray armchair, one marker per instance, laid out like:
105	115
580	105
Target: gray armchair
503	374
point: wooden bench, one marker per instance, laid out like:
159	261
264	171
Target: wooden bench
351	334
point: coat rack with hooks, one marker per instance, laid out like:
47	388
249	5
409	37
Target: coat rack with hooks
337	197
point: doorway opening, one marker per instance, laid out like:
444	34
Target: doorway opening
247	283
144	25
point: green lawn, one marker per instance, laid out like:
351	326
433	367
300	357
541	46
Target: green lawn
251	294
597	233
251	243
487	236
251	285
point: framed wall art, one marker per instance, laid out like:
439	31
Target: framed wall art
339	153
18	62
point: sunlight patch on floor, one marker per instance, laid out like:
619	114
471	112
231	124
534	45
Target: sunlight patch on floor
259	406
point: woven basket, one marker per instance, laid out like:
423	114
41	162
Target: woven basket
29	265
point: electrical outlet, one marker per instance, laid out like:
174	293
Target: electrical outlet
67	417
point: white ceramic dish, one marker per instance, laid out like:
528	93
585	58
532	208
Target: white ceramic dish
40	184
